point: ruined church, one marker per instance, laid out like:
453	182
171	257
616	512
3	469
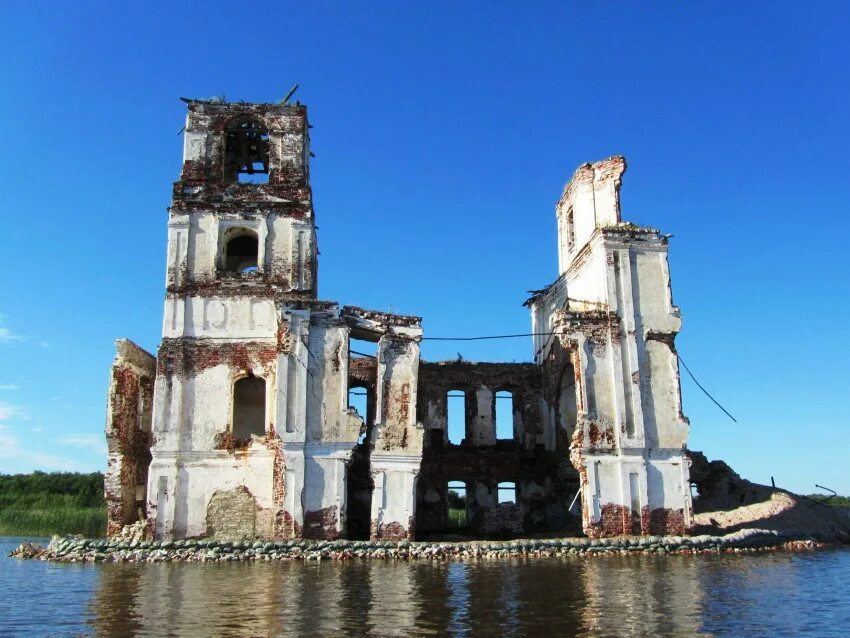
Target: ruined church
243	424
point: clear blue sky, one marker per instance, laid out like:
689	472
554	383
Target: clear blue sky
444	132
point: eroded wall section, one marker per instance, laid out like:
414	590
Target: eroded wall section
607	328
128	434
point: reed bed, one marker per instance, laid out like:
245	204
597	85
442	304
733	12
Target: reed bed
42	504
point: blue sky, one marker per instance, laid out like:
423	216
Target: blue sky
444	133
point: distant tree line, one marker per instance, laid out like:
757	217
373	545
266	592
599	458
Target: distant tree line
41	504
833	501
84	490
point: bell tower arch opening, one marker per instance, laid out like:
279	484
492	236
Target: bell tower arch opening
241	252
246	151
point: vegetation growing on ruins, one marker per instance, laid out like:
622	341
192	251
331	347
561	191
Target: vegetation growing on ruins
457	510
41	504
832	501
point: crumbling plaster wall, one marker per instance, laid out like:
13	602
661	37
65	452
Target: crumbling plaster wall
220	326
603	392
614	322
296	473
286	250
296	470
128	434
397	443
194	454
202	178
205	207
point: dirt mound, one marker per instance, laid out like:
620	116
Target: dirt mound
728	503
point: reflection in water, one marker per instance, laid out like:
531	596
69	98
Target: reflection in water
641	596
634	596
458	599
393	601
637	596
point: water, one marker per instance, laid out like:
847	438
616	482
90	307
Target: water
757	595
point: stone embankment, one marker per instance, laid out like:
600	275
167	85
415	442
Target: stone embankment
76	549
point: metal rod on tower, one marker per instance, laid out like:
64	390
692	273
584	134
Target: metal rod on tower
289	95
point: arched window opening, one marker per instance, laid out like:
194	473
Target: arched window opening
456	416
241	254
249	407
571	230
358	399
246	151
506	493
504	415
456	504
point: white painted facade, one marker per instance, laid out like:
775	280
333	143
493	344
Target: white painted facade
263	322
614	324
248	348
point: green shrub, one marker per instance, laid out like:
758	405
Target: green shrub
457	517
41	504
832	501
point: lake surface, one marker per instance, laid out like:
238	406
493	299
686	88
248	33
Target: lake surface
757	595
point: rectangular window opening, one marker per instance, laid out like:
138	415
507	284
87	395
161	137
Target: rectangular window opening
456	415
504	415
506	493
456	505
359	348
358	399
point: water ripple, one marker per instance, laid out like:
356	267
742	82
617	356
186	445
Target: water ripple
758	595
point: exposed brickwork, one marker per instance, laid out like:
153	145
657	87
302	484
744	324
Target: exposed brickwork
273	442
321	524
600	436
128	434
232	514
667	521
392	531
384	319
615	520
587	173
187	357
397	354
504	519
286	527
202	185
522	379
620	520
242	254
514	461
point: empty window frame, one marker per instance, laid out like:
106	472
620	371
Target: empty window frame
358	395
456	502
246	151
362	348
506	493
504	412
249	407
456	416
358	398
241	252
571	230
